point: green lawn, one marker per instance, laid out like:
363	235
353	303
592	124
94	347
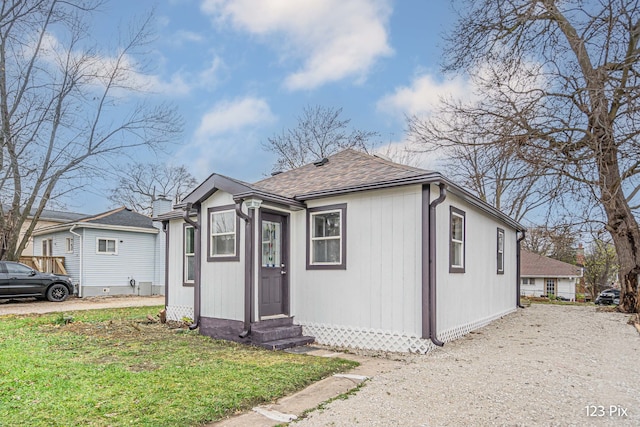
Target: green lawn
115	368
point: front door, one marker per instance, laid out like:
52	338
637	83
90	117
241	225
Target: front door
274	285
551	287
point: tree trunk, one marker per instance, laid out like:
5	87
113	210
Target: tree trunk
623	228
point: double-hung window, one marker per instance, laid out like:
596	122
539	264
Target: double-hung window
189	255
69	245
326	247
500	251
456	240
223	234
106	246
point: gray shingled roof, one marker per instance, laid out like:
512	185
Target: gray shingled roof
532	264
346	169
120	217
54	216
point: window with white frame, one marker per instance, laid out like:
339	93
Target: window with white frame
500	251
456	240
528	281
107	246
69	245
47	247
327	237
223	236
189	254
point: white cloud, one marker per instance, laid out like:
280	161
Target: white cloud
423	95
183	36
335	39
226	117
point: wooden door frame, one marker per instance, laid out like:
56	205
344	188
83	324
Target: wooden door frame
555	286
286	245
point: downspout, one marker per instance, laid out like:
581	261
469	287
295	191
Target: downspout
197	256
518	241
432	265
248	267
165	229
81	258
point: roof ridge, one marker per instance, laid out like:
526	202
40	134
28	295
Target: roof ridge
103	214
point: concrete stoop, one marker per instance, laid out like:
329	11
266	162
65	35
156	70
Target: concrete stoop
290	408
279	334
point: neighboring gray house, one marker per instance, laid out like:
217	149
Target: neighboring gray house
353	250
544	276
118	252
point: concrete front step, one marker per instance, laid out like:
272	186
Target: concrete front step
286	343
278	333
272	323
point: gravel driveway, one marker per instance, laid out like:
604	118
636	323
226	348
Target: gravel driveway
30	305
546	365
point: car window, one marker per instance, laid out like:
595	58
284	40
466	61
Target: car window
18	268
2	268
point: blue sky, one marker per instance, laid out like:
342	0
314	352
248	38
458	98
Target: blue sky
240	71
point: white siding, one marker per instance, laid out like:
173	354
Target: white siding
180	297
222	282
134	260
71	260
470	299
565	287
381	287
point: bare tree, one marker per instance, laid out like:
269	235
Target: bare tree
557	242
320	132
65	107
559	85
601	266
140	184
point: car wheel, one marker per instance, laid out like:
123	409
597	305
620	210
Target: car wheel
57	293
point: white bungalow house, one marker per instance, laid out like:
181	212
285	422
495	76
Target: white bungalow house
119	252
353	250
544	276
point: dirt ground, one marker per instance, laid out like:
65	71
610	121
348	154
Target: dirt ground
31	305
546	365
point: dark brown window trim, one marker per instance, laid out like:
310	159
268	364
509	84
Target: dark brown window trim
343	236
184	257
498	254
235	257
461	213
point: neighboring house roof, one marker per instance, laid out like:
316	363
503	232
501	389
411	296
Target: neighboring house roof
53	216
345	172
121	216
534	265
117	219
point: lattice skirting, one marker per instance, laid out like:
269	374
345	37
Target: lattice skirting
178	312
459	331
376	339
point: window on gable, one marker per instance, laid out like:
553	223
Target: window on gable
456	240
107	246
224	238
500	251
327	237
189	255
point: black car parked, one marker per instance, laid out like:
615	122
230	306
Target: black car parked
19	281
608	297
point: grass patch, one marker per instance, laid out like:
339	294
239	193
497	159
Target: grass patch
114	367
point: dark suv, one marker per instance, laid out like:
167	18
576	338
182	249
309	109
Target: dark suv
608	297
19	281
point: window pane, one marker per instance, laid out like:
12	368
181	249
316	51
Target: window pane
326	251
326	224
111	245
223	245
189	241
500	262
102	245
17	268
271	240
457	254
456	227
224	222
191	262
